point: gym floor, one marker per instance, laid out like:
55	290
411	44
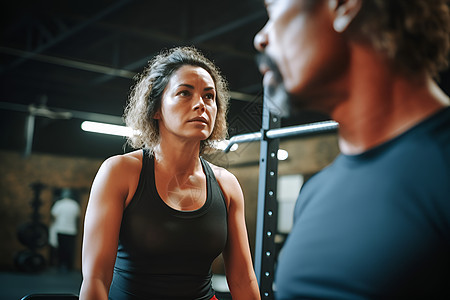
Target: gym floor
15	285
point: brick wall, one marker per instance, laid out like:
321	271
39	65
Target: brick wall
17	174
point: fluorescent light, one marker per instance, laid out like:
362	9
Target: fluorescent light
282	154
106	128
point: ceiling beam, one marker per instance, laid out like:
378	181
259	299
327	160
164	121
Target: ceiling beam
196	40
234	25
70	63
98	68
61	113
66	34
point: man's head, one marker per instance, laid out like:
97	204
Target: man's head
310	41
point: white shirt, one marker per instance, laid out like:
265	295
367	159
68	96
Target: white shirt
65	212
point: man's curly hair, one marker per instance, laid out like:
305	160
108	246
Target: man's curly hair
414	34
146	95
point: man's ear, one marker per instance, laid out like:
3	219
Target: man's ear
344	12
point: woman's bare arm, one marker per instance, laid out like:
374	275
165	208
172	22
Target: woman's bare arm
237	257
109	195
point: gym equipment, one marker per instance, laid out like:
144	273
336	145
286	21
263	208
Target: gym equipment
266	221
33	235
29	261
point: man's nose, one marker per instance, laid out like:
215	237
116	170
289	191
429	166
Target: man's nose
260	40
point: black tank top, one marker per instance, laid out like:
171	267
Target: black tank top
165	253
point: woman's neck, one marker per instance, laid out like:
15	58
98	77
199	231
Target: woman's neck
178	158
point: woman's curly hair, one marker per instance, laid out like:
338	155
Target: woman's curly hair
145	97
414	34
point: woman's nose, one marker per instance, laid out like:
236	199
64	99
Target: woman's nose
199	104
260	40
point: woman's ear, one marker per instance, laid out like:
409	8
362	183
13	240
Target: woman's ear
344	12
157	115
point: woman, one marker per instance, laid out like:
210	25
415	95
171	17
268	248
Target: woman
158	217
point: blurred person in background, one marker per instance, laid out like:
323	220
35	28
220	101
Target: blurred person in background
64	229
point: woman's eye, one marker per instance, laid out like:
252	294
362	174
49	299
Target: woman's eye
184	93
209	96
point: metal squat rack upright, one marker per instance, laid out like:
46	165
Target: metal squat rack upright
266	223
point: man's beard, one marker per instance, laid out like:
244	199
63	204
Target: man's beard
276	97
277	100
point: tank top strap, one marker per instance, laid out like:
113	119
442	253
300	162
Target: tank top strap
146	170
216	190
207	168
148	164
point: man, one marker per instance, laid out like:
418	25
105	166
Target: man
375	224
65	212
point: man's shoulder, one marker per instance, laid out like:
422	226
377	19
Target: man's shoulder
437	137
440	126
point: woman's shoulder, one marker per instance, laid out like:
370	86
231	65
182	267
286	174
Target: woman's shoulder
123	163
228	183
221	173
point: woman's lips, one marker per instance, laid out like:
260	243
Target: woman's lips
199	119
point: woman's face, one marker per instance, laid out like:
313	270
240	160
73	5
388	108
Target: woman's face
188	105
